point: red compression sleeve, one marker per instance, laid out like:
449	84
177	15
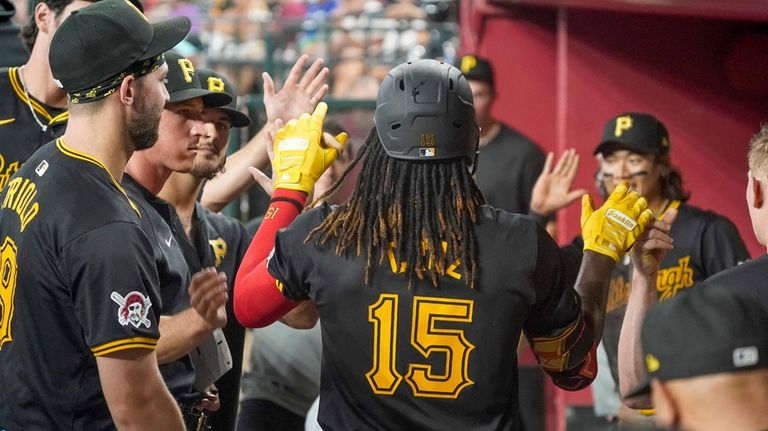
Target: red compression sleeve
257	300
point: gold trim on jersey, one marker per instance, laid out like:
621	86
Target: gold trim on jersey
125	344
85	157
13	77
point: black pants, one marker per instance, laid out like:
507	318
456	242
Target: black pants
257	415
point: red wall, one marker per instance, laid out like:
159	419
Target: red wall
561	78
562	73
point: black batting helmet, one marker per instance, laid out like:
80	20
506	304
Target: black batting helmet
424	111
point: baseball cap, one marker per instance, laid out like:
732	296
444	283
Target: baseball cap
183	83
634	131
96	44
217	82
710	330
476	68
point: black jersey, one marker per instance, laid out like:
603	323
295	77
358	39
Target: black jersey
705	244
507	169
78	281
20	134
179	375
425	357
221	242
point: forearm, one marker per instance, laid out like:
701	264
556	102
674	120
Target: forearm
631	358
135	392
592	285
225	187
179	334
257	299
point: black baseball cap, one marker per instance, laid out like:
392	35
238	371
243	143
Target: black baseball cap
219	83
100	41
183	83
709	330
635	131
476	68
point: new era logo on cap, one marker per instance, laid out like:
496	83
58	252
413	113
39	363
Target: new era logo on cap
745	356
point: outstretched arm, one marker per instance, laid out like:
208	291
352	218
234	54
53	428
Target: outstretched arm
646	258
299	94
258	296
569	354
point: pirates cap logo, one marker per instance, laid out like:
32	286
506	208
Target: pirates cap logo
133	309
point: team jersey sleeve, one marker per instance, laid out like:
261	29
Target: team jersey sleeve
292	261
722	247
561	339
114	287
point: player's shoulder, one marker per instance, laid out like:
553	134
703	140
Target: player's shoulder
497	220
218	222
750	273
522	142
692	213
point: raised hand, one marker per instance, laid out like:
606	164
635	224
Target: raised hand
303	153
651	247
208	295
612	229
299	93
552	190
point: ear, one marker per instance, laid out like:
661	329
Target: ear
128	90
757	190
665	405
44	17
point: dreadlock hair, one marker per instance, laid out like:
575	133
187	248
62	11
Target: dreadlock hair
410	209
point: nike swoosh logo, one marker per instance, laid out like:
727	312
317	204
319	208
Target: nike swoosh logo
168	241
7	120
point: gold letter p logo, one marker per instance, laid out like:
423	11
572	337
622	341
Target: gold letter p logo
622	124
187	69
215	84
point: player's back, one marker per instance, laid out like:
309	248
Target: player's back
428	357
47	369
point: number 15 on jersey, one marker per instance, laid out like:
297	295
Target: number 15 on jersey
428	339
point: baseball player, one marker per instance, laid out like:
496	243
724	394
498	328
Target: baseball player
635	147
192	307
422	289
745	280
300	93
33	109
80	292
209	239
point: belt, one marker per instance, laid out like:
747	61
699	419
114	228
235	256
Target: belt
194	419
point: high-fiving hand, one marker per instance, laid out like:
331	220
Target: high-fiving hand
612	229
302	153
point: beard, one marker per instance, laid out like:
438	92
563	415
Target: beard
207	170
143	128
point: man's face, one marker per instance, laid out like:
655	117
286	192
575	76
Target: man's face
639	169
143	125
212	148
483	96
181	128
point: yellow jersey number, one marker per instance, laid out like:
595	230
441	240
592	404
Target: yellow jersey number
8	269
427	339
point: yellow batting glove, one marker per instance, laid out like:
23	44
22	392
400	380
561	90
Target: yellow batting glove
300	158
612	229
